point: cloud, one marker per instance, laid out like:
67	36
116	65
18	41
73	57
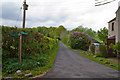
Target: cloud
10	10
69	13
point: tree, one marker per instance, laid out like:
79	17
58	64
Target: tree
43	30
91	32
80	29
103	34
61	32
88	31
52	32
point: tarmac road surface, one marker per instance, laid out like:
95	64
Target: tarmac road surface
70	64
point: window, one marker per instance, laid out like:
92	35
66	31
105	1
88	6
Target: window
112	26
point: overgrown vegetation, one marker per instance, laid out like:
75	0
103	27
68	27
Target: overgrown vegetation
92	48
116	48
78	40
53	32
103	51
14	65
88	31
103	34
38	51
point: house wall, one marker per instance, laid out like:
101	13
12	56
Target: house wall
110	32
118	25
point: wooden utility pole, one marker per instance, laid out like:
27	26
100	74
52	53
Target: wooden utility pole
20	45
25	7
24	13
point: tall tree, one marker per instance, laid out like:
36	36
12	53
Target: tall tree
103	34
61	32
88	31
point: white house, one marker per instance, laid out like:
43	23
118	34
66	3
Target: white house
114	27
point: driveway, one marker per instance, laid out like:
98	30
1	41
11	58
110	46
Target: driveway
70	64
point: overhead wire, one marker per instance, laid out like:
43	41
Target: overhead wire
99	3
18	16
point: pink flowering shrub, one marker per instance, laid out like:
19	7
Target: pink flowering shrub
78	40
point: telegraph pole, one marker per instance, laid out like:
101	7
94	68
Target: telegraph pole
20	45
25	7
24	12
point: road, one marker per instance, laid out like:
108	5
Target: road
70	64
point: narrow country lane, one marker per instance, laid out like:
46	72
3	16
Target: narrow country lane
70	64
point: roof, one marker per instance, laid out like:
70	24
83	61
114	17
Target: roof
112	20
90	37
93	39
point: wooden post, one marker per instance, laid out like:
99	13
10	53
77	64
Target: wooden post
20	44
24	13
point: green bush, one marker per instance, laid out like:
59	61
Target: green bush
32	43
78	40
116	48
103	50
5	54
92	48
66	40
12	65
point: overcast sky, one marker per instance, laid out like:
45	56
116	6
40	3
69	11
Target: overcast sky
69	13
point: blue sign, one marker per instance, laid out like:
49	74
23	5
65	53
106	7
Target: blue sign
17	34
24	33
14	34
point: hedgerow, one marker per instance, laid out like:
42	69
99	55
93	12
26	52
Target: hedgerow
36	49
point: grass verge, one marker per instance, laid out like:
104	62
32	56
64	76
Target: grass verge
97	59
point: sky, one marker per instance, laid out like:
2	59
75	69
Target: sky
69	13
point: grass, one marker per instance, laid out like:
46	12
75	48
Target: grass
116	65
37	71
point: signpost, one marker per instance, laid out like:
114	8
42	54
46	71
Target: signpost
20	42
20	46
